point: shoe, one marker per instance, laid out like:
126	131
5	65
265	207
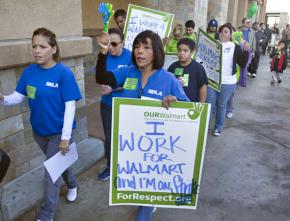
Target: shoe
279	81
105	175
272	82
254	75
217	133
72	194
229	115
249	74
154	209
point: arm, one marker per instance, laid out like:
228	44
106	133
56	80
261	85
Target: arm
103	76
69	115
12	99
241	56
202	93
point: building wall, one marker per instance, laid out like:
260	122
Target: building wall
64	17
218	9
23	186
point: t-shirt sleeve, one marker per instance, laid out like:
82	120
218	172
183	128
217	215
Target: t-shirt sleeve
120	75
178	91
21	84
202	77
171	68
70	90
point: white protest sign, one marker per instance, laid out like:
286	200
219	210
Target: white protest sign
209	53
157	154
140	19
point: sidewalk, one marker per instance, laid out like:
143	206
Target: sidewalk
246	172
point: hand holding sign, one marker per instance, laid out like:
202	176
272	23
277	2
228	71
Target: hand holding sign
104	42
106	11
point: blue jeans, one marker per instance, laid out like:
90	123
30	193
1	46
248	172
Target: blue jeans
49	146
144	213
231	103
106	114
220	100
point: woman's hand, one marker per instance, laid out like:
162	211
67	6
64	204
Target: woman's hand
64	146
1	98
168	100
104	42
105	89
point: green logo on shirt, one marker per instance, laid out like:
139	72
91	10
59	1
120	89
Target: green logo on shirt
185	80
178	72
30	91
131	83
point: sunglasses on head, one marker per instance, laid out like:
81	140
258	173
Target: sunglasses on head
114	44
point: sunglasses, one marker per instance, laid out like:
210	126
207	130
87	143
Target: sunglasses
114	44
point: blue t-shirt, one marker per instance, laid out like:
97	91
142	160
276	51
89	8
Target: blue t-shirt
246	34
47	91
115	62
159	85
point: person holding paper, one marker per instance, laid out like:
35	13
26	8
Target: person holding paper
145	78
116	58
231	56
191	73
52	91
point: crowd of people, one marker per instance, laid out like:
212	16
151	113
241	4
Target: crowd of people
52	90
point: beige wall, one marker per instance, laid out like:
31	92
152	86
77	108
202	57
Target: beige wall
20	17
91	18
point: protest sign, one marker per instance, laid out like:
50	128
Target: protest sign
140	19
209	53
169	59
157	154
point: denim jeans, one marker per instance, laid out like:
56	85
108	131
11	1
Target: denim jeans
106	114
220	100
49	146
144	213
231	103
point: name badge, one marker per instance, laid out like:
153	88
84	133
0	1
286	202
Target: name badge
30	91
131	83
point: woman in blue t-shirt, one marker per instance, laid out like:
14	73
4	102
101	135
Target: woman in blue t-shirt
52	91
116	58
144	79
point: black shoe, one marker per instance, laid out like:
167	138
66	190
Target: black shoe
279	81
105	175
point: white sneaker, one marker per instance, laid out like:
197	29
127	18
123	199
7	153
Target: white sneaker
154	210
41	220
254	75
217	133
249	74
229	115
72	194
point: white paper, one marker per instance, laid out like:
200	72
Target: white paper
58	163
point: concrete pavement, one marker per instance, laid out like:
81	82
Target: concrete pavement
246	172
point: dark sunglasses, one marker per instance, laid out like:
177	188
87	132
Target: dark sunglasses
114	44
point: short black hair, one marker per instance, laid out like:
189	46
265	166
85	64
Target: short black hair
225	26
186	41
157	47
190	24
116	31
120	12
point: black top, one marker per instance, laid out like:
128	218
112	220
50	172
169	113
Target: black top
240	57
195	74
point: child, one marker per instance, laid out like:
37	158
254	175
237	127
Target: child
171	45
190	73
189	30
278	63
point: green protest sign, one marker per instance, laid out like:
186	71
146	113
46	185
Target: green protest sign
140	19
209	52
157	154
